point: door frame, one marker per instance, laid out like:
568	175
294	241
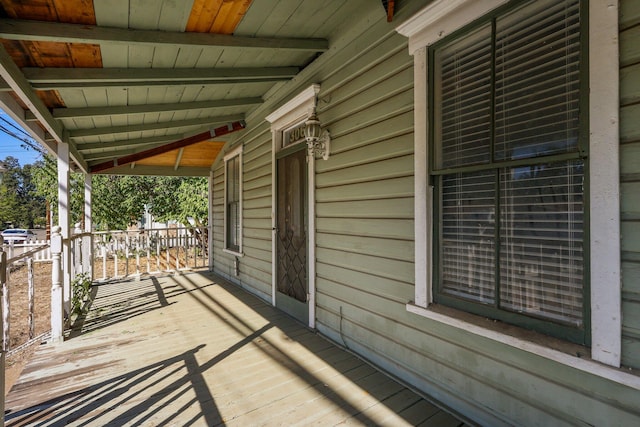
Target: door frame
292	114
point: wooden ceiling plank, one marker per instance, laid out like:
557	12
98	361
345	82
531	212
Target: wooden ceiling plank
75	11
63	113
203	13
17	29
230	15
80	133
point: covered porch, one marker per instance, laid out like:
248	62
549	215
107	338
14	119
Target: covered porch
192	349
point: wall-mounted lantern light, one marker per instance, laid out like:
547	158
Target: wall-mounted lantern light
318	140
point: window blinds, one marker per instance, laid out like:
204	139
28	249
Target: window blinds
511	233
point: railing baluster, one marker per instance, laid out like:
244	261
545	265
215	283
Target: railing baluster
195	248
3	278
126	255
137	239
31	295
57	302
177	250
158	242
167	250
104	257
6	312
115	258
148	246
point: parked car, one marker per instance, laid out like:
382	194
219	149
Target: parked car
17	235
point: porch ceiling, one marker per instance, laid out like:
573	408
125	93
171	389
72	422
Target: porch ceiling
115	78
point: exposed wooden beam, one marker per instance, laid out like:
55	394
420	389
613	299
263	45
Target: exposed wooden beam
15	110
51	78
4	86
125	85
185	142
80	133
11	74
178	159
146	170
125	143
14	29
103	155
67	113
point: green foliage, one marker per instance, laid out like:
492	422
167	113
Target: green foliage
20	205
119	201
80	286
193	197
45	178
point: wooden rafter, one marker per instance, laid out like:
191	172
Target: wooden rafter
185	142
57	78
107	147
66	113
13	29
79	133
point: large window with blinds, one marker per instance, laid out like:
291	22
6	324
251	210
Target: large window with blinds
233	202
508	165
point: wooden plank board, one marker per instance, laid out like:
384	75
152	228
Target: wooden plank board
220	17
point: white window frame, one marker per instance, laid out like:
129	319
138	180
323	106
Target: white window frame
440	19
236	152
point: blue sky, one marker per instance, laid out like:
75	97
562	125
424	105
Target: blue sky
10	146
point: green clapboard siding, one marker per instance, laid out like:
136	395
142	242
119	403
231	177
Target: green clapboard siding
630	177
255	264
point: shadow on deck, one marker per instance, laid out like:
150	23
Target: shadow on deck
195	350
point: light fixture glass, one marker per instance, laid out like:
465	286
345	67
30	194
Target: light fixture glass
318	141
312	129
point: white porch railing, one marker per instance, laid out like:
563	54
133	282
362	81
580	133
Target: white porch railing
99	256
122	253
12	260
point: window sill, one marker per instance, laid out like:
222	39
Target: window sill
559	351
234	253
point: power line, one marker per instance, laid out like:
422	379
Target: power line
28	142
18	128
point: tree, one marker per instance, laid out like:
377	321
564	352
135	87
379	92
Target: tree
45	179
193	201
20	206
119	201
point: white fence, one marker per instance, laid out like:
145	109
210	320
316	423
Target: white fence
121	253
14	256
15	250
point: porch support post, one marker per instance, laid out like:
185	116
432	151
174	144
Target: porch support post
87	241
210	222
3	278
63	219
57	303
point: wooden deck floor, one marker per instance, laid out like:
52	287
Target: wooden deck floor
193	350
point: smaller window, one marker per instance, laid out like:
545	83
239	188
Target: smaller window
233	201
